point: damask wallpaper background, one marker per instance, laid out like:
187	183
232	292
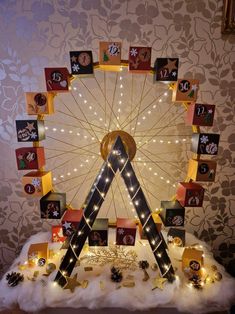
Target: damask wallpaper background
40	33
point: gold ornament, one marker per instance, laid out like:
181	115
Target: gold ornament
84	284
158	283
88	268
109	139
214	268
72	283
154	267
217	276
50	268
128	284
101	285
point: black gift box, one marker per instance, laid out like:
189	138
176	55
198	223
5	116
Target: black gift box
172	213
30	130
99	233
166	69
205	143
176	236
81	62
53	205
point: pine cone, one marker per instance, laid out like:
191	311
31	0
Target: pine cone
116	275
143	264
14	278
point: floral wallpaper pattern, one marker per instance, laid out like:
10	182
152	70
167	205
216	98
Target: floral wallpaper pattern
38	33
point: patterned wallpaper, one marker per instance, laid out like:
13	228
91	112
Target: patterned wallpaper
36	34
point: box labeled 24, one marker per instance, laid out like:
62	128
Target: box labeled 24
37	183
139	59
202	170
39	103
81	62
200	114
30	130
172	213
57	79
71	220
126	231
166	69
99	233
190	194
205	143
192	261
53	205
185	90
28	158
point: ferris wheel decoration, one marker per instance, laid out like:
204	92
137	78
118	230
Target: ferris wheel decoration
118	149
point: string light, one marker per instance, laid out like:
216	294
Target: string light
62	130
54	129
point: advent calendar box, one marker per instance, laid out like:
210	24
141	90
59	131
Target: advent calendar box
71	220
81	62
53	205
176	236
38	254
192	261
110	55
37	183
57	79
99	233
30	158
185	90
205	143
30	130
200	114
126	231
158	222
202	170
172	213
57	234
190	194
39	103
166	69
139	59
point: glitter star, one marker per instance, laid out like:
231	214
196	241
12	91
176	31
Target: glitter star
158	283
72	283
67	225
171	65
30	126
73	58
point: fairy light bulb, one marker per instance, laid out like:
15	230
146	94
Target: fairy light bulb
54	129
71	260
153	242
107	180
80	95
62	130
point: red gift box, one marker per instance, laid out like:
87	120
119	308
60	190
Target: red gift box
139	59
30	158
190	194
200	114
126	231
71	220
57	79
57	234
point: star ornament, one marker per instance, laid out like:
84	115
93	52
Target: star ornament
171	65
30	126
159	283
72	283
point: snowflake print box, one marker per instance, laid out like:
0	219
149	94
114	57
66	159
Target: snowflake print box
200	114
57	234
57	79
139	59
192	261
205	143
190	194
202	170
99	233
176	236
53	205
28	158
71	220
185	90
38	254
110	56
126	231
37	183
81	63
172	213
39	103
166	70
30	130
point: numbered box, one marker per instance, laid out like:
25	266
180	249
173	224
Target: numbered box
200	114
139	59
38	254
185	90
37	183
71	220
172	213
29	158
202	170
39	103
158	222
110	56
192	261
99	233
53	205
205	143
126	231
81	63
190	194
57	79
30	130
176	236
166	69
57	234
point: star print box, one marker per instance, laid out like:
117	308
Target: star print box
30	130
71	220
37	183
38	254
30	158
139	59
190	194
192	261
57	79
176	236
205	143
81	63
99	233
185	90
200	114
158	222
53	205
126	231
57	234
110	56
39	103
172	213
166	70
202	170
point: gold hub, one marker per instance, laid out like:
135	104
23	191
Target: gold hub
109	139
